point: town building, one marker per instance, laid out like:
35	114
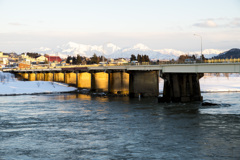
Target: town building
3	59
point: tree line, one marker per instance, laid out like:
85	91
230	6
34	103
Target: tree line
84	60
182	58
140	58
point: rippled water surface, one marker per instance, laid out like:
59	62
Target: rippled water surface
70	126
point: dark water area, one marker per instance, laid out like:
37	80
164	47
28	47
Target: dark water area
70	126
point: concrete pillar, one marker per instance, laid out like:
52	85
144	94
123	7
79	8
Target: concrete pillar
31	77
176	86
84	80
70	78
145	83
118	83
40	76
48	76
25	76
59	77
181	87
99	82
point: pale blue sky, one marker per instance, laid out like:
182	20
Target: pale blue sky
159	24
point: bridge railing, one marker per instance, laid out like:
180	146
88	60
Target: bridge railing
230	60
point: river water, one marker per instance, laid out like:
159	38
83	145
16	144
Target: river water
77	126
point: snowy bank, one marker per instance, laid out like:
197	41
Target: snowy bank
212	83
10	86
220	84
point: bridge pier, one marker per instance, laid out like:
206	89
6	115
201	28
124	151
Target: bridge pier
145	83
70	78
181	87
40	76
31	76
59	77
99	82
84	80
25	76
48	76
118	83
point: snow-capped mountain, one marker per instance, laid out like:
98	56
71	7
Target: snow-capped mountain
73	49
142	50
208	53
111	50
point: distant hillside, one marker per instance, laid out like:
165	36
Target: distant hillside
232	53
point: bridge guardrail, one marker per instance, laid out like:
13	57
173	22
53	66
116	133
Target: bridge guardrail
216	61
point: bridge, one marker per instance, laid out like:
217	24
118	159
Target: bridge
181	81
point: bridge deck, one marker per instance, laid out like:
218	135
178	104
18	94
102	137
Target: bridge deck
179	68
167	68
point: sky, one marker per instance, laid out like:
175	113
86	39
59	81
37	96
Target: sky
26	25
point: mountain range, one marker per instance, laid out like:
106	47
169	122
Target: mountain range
232	53
110	50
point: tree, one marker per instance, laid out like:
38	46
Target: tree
133	58
146	58
102	58
139	58
194	57
69	58
95	59
74	60
79	59
182	58
202	57
32	55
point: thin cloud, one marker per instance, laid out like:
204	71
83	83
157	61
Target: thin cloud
16	24
235	23
219	23
206	24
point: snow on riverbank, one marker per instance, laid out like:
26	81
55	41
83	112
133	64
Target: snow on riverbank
10	86
220	84
212	83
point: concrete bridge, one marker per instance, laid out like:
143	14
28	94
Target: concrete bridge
181	81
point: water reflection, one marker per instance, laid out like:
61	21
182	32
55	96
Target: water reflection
86	97
72	96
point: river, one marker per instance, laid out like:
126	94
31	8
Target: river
78	126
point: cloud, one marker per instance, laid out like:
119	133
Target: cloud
219	23
206	24
16	24
235	23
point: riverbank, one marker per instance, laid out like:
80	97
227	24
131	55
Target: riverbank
213	83
33	87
